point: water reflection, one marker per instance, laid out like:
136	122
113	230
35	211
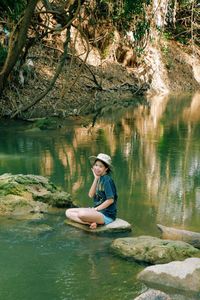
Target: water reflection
192	113
155	150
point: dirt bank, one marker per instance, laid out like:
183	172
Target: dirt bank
82	89
182	64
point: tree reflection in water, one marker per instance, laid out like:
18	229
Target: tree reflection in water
155	150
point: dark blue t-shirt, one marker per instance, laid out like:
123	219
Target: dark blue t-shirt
106	189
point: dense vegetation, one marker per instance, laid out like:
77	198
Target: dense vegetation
33	23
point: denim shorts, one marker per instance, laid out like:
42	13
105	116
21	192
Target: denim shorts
107	220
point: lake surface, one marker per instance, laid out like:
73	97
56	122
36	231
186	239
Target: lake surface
156	156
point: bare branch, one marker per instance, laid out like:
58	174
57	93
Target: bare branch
83	63
58	71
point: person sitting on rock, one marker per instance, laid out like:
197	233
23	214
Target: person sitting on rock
104	193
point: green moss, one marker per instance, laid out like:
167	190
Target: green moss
105	52
57	199
36	180
46	123
29	179
13	188
38	187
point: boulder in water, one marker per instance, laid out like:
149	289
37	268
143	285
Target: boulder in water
179	275
118	225
153	250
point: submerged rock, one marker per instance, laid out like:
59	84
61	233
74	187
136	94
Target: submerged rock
187	236
153	250
152	294
180	275
39	229
118	225
22	195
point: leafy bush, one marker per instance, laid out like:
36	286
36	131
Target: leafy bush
3	54
12	8
186	23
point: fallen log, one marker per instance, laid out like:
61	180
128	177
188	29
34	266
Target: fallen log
190	237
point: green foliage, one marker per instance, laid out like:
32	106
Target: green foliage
186	25
134	7
3	54
141	29
165	49
121	12
126	15
46	123
167	35
13	8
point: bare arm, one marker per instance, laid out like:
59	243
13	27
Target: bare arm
105	204
93	186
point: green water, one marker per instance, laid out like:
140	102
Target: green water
156	158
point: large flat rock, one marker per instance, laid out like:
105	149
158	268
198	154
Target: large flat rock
180	275
118	225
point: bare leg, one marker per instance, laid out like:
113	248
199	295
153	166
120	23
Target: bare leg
73	214
85	216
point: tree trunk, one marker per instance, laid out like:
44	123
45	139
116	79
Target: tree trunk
160	8
17	42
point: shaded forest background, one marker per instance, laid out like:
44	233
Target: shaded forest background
61	58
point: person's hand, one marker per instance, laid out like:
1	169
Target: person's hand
95	176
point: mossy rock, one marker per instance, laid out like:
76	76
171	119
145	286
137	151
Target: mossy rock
153	250
56	199
22	194
11	188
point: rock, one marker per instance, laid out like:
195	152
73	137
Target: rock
39	229
179	275
29	194
153	250
33	230
56	199
28	216
20	205
153	295
118	225
189	237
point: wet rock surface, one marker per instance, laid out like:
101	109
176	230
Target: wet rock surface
179	275
152	294
118	225
30	195
153	250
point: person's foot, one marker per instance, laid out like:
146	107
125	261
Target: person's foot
93	225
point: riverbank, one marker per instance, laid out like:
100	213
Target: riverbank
101	85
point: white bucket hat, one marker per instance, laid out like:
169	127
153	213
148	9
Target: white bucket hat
103	157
